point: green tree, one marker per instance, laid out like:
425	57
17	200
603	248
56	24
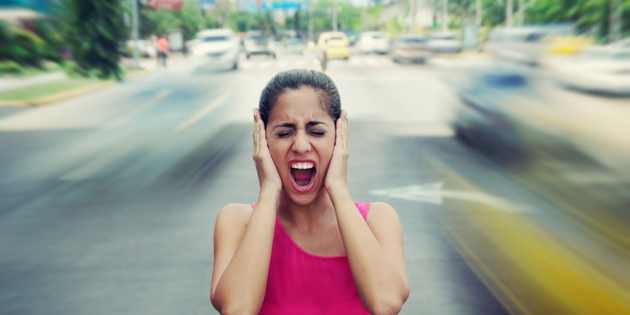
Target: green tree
94	30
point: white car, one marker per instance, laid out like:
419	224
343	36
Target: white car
604	70
217	48
372	42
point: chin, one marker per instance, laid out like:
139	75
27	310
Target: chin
303	198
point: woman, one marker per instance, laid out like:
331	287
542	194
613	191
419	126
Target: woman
305	247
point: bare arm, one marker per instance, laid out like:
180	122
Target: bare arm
241	257
243	243
375	252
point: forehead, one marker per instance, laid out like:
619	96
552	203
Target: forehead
299	105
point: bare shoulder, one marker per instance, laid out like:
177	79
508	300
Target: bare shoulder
382	213
234	215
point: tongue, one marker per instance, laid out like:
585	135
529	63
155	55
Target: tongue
302	177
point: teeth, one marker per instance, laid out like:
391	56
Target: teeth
302	166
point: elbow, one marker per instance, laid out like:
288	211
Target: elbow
233	308
385	307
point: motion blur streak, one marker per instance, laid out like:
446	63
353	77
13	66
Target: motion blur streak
503	144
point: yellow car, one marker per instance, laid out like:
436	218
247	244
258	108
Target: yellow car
336	45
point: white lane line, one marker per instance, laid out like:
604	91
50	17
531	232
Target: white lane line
265	65
355	61
203	112
300	63
245	65
283	64
317	63
136	111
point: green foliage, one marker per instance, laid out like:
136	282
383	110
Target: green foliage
27	48
94	30
10	67
52	40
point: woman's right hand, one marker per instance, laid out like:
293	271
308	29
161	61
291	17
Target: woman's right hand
268	175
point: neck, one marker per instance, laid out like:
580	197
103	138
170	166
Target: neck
305	215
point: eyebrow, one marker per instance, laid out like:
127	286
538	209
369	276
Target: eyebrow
309	124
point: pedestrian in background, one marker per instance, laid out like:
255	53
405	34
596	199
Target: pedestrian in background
162	50
305	247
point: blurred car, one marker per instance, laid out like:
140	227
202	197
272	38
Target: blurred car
258	43
295	46
413	48
484	119
519	44
604	70
444	42
372	42
215	47
334	44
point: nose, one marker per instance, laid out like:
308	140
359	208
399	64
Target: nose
301	144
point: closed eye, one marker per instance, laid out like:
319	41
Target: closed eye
283	134
317	132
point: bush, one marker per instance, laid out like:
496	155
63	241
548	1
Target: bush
10	67
52	40
26	48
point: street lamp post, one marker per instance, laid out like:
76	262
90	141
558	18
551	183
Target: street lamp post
134	25
444	15
334	15
508	14
478	17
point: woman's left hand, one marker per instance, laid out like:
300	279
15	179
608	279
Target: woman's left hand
337	169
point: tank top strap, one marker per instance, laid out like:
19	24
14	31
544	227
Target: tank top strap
364	208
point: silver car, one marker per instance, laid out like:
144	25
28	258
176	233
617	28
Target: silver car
412	48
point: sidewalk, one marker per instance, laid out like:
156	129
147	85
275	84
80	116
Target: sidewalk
9	83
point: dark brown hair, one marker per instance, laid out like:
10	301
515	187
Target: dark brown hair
296	79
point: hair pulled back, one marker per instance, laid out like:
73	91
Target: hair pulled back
296	79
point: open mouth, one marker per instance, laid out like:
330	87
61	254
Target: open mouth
303	176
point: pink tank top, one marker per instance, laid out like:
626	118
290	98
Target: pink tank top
303	284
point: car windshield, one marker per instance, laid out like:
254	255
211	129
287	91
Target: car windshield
215	38
336	38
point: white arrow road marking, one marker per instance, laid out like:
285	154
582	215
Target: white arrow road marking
434	194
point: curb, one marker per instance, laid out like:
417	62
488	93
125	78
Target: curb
71	93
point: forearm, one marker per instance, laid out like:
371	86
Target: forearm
379	284
241	288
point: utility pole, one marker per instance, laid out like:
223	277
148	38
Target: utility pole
521	12
478	17
444	15
412	15
310	21
334	16
134	25
615	21
508	13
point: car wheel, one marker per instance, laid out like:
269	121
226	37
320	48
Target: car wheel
274	56
235	66
247	56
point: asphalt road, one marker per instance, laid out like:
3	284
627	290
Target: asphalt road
108	200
